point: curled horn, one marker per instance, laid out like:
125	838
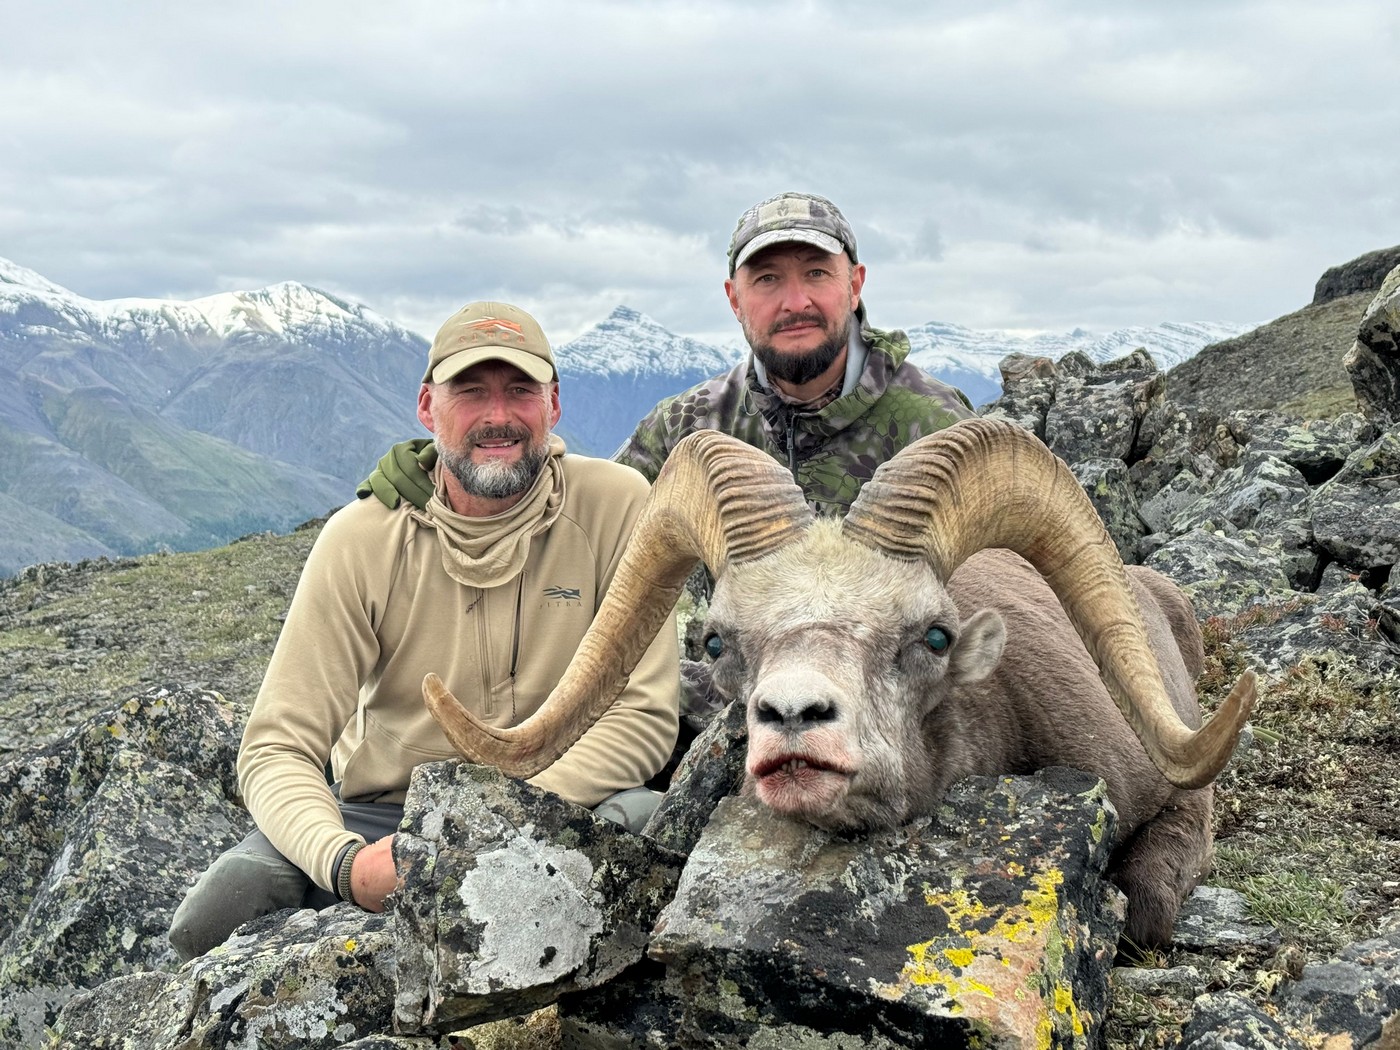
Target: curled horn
983	483
716	500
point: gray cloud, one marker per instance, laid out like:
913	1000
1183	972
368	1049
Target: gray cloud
1018	165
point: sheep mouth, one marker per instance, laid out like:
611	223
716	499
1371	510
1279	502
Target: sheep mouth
798	774
795	767
799	785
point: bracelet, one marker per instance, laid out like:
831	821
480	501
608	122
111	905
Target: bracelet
342	873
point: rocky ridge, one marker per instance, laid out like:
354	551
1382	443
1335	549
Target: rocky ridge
1293	364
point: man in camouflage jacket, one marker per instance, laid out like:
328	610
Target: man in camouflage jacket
821	391
831	451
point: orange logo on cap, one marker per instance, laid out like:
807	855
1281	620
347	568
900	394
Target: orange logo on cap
487	324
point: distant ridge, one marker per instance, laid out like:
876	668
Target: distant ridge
971	359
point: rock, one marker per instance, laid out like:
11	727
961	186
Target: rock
1285	630
1374	360
1226	1021
986	925
1221	575
1115	411
1260	492
511	897
1390	606
1216	920
295	980
1356	514
1350	1001
1365	273
1354	994
1027	392
1182	492
634	1012
712	769
1106	483
103	832
1317	448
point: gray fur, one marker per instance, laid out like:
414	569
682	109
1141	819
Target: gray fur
825	640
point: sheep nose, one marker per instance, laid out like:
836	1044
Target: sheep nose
794	713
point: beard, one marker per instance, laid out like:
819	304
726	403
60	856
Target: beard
805	365
496	480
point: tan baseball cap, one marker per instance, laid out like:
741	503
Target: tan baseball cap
490	332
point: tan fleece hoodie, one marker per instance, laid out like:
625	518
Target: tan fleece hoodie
375	611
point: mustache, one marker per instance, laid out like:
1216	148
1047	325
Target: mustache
503	433
796	319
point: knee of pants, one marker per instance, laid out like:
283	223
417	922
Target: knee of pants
631	808
238	887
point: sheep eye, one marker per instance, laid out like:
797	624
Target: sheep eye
714	645
936	638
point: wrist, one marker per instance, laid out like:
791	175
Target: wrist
343	866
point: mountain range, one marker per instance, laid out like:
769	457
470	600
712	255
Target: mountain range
129	425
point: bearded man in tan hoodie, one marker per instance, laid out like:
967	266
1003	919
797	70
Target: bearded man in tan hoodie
491	586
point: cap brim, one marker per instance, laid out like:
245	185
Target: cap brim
538	369
816	238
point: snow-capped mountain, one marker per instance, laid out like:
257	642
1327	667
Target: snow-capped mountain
132	423
614	374
970	359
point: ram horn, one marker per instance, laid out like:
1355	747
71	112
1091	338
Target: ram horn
983	483
716	500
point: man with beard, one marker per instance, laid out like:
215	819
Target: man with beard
822	392
491	585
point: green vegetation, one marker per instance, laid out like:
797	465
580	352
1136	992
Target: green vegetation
77	638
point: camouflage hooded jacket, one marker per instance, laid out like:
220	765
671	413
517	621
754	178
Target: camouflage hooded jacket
831	452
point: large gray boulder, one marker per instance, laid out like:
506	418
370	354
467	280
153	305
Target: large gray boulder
1356	513
102	833
295	980
512	897
988	925
1374	360
1117	409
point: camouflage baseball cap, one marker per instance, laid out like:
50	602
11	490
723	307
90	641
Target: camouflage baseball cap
790	217
490	332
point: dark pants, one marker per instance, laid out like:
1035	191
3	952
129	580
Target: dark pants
254	879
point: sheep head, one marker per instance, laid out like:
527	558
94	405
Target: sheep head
841	654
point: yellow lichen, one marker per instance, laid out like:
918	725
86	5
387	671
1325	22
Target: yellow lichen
959	956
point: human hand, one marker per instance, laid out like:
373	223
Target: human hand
402	473
373	875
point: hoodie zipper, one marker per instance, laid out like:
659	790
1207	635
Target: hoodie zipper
792	443
515	640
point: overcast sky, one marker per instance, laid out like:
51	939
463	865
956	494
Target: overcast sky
1005	165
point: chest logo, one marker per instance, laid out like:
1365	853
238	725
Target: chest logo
564	594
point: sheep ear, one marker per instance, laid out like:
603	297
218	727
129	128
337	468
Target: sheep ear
978	648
